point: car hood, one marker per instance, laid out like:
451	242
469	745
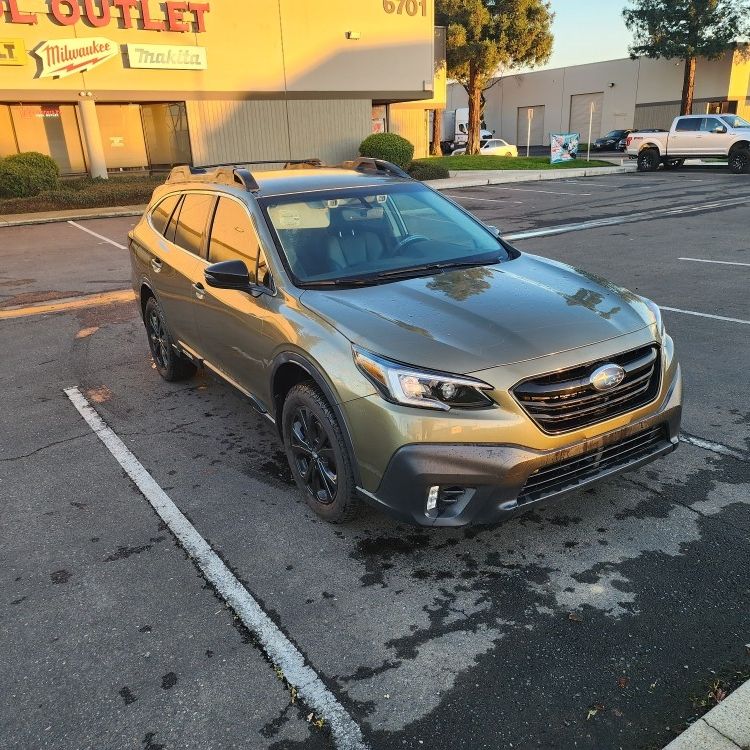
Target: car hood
472	319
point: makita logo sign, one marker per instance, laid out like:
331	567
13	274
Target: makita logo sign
60	58
166	57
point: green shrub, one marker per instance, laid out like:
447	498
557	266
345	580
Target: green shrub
26	174
422	170
388	146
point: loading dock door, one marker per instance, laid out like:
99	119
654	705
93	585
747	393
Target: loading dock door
580	108
537	126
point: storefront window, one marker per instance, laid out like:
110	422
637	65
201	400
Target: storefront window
122	136
51	129
165	129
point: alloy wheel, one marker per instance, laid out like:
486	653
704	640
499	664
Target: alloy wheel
314	457
157	338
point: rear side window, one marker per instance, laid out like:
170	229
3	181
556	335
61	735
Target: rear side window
191	225
233	236
688	123
163	211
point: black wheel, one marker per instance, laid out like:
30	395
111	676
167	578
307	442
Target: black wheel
169	362
317	454
739	160
674	163
648	160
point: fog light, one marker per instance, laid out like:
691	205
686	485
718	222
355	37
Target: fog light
432	498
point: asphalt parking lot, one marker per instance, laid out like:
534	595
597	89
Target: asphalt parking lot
600	622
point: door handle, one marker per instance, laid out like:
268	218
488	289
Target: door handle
199	289
156	265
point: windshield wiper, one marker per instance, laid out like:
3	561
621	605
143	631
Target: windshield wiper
442	266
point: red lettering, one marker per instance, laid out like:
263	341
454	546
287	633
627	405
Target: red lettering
149	23
73	15
199	10
126	7
16	16
174	16
100	20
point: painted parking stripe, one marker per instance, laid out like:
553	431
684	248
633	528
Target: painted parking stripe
626	219
484	200
720	262
706	315
96	234
68	304
531	190
709	445
280	650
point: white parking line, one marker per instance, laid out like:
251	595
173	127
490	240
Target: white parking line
280	650
485	200
96	234
705	315
720	262
626	219
530	190
708	445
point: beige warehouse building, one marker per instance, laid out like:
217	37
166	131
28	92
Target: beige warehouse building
128	84
625	93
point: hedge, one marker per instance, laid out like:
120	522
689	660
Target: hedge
27	174
421	170
388	146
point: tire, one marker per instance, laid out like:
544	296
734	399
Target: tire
170	364
739	161
648	160
674	163
507	153
317	454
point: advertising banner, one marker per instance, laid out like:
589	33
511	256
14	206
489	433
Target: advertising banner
61	57
167	57
564	147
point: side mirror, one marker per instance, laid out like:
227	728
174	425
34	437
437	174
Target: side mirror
232	274
720	129
494	230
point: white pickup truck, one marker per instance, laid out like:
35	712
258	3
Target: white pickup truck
693	137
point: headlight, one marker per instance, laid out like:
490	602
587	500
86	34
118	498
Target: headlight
656	312
425	388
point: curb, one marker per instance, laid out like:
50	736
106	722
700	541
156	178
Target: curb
724	727
475	178
49	217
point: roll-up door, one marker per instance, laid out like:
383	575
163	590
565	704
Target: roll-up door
580	109
537	126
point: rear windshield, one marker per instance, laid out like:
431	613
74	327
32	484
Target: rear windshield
366	233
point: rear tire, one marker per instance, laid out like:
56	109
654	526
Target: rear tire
674	163
648	160
317	454
739	160
169	362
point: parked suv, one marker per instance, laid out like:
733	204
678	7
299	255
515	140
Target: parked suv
407	355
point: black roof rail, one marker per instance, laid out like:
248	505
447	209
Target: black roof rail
364	164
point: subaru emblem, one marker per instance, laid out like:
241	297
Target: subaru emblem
606	377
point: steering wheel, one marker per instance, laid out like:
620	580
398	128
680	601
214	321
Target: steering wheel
410	240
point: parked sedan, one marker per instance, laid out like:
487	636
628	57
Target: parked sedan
492	147
611	141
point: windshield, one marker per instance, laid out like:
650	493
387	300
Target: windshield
734	121
374	234
614	134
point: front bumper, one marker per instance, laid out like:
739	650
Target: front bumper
495	477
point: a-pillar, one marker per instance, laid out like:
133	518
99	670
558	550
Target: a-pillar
92	137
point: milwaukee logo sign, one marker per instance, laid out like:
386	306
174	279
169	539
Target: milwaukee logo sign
60	58
167	57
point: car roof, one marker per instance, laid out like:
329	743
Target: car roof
285	181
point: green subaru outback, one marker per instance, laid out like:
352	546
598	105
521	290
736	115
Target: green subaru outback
407	355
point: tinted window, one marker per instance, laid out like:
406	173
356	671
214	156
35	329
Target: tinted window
709	124
233	236
172	226
162	213
192	222
688	123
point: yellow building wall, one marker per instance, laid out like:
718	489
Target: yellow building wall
739	82
413	124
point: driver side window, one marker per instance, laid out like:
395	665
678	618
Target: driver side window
233	237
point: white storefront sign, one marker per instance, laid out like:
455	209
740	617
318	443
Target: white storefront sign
167	57
61	57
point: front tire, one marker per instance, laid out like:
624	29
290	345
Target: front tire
317	454
739	161
648	160
170	364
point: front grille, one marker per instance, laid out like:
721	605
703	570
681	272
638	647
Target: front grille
570	472
566	400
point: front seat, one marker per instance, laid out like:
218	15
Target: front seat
349	248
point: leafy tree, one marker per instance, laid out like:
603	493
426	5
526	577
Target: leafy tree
487	37
686	29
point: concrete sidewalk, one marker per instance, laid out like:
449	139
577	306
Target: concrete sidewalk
76	214
725	727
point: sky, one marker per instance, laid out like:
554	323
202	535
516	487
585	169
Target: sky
587	31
